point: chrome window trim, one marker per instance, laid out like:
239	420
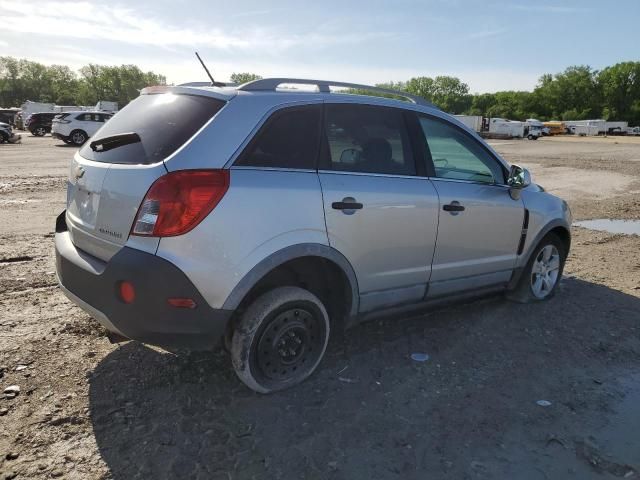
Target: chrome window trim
455	180
367	174
273	169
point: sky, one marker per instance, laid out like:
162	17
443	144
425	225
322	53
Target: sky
490	45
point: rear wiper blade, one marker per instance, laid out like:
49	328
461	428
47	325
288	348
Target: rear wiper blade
114	141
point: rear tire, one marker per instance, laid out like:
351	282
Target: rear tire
39	131
280	339
78	137
543	272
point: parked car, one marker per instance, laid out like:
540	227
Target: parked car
7	135
270	217
39	124
76	127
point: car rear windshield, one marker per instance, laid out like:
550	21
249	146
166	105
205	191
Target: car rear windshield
163	122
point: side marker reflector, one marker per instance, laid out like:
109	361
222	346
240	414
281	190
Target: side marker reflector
182	302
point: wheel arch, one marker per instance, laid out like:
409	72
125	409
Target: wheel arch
557	227
310	254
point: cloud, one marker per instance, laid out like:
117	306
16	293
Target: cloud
85	20
537	7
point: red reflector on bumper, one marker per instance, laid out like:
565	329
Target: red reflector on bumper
127	292
181	302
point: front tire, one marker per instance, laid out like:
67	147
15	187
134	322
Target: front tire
542	274
39	131
280	339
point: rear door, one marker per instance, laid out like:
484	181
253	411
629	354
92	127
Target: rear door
480	224
95	121
380	212
107	185
83	122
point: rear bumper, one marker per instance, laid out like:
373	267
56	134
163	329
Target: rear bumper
93	285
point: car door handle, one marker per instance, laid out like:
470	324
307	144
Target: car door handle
453	207
347	203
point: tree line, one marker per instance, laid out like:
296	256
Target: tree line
577	93
22	80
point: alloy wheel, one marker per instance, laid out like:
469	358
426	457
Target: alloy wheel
78	138
545	271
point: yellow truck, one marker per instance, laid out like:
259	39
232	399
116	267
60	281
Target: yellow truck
555	128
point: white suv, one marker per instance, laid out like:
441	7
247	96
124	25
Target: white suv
76	127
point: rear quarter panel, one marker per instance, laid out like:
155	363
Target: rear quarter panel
263	212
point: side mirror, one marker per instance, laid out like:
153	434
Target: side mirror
519	177
350	156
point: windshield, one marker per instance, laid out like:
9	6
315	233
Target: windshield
163	122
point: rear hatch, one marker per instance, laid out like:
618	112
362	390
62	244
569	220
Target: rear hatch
112	172
57	121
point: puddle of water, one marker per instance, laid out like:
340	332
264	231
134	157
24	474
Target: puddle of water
629	227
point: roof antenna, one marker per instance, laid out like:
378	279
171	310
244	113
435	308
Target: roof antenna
213	82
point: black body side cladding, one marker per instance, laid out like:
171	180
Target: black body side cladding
149	319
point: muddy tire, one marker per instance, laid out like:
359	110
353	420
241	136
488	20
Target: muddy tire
280	339
543	272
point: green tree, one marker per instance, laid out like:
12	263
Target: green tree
22	80
620	85
448	93
240	78
574	91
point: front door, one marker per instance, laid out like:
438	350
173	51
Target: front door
380	214
480	224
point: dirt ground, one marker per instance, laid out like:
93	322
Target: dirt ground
91	410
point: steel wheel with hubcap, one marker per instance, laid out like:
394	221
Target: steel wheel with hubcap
280	339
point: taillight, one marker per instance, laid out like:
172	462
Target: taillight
178	201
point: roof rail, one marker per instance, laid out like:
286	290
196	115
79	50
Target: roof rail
206	84
269	84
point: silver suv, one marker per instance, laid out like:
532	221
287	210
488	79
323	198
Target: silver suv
268	216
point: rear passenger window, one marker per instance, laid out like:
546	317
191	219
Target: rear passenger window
289	139
368	139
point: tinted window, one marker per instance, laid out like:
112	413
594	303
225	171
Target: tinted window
289	139
368	139
164	123
457	156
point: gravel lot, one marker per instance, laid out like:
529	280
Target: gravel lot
91	410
